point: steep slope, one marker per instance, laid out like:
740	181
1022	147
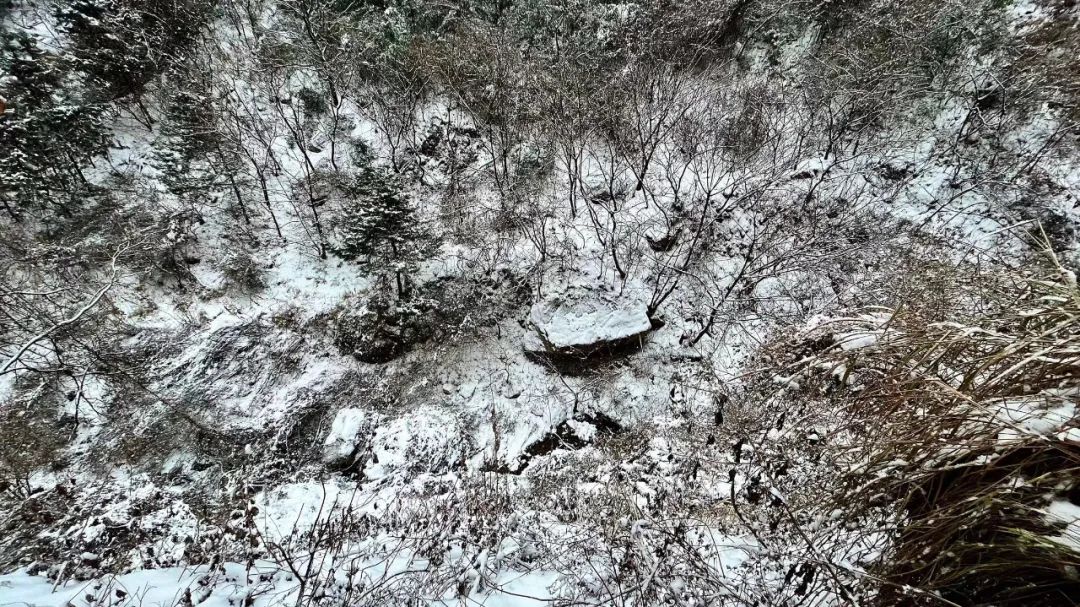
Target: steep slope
335	303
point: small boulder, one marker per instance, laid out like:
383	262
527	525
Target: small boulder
346	436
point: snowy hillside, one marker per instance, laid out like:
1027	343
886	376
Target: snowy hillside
365	302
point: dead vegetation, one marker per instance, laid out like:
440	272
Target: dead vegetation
744	159
971	420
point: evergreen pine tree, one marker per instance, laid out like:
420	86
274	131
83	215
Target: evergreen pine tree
105	46
124	44
189	138
378	227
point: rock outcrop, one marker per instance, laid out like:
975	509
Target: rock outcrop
348	432
583	324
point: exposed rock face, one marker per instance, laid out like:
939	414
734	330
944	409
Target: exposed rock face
347	433
581	430
585	323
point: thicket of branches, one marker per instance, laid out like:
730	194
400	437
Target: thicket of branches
671	137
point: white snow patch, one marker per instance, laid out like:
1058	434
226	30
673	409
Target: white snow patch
581	316
295	509
1064	511
1027	417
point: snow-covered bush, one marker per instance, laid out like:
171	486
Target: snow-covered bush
381	328
243	272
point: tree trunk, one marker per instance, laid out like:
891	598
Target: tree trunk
266	200
235	188
10	210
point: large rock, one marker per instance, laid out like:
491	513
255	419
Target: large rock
580	323
347	435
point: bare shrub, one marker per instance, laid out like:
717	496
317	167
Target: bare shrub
243	272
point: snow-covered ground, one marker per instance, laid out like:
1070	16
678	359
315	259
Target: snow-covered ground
261	465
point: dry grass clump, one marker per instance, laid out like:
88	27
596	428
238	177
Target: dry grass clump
969	433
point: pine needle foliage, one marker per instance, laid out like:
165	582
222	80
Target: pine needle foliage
379	229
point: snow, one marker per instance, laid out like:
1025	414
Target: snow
858	341
472	403
1071	435
1034	416
813	167
1066	513
425	438
265	585
1024	13
177	462
583	316
583	430
345	434
296	509
145	587
7	385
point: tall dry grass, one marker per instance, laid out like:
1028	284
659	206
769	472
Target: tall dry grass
968	432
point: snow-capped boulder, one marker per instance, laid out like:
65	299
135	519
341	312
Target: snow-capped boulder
347	433
580	322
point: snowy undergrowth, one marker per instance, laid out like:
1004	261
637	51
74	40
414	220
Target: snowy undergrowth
256	462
